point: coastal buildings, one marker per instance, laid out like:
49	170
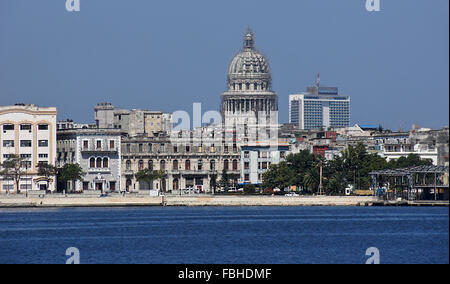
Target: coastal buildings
187	164
135	122
319	107
97	151
257	158
28	131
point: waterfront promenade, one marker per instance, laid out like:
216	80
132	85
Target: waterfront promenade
117	200
90	200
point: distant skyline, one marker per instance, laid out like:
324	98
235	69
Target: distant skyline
166	55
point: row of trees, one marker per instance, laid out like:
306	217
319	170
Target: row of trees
15	168
351	168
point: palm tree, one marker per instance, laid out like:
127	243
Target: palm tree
311	179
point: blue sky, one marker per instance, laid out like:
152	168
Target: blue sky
165	55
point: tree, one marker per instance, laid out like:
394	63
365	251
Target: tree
225	181
72	172
48	171
149	176
13	169
249	189
311	179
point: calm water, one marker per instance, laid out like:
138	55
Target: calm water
225	235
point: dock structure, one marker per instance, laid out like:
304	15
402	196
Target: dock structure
413	184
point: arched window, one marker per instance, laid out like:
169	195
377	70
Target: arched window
92	162
162	165
99	162
175	165
150	165
187	165
128	165
235	165
226	165
141	165
105	163
213	165
176	184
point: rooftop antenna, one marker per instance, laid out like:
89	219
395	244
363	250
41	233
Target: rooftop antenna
318	80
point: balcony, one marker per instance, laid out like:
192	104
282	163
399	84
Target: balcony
92	149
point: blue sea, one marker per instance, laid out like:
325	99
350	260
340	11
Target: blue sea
225	235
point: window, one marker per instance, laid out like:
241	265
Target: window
175	165
213	165
43	127
162	147
111	144
8	127
150	165
149	148
141	148
128	165
25	143
162	165
200	165
25	156
99	163
247	177
175	149
246	165
43	143
25	127
225	148
92	163
105	163
235	165
8	143
128	148
99	144
141	165
187	165
85	144
26	164
43	155
226	165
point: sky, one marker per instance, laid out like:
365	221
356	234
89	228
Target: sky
166	55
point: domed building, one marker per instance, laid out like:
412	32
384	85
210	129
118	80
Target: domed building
249	82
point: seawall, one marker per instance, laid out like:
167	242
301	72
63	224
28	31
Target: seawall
201	200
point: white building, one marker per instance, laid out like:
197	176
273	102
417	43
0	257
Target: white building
319	107
256	160
97	151
30	132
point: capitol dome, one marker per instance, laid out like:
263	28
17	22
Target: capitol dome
249	68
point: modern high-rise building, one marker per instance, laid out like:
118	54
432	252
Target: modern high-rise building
319	107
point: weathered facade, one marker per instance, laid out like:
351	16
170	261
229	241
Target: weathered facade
187	165
97	151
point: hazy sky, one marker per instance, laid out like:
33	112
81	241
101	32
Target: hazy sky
165	55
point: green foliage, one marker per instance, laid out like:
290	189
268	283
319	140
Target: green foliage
12	168
249	189
352	167
149	176
72	172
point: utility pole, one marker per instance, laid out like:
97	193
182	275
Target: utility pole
320	182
